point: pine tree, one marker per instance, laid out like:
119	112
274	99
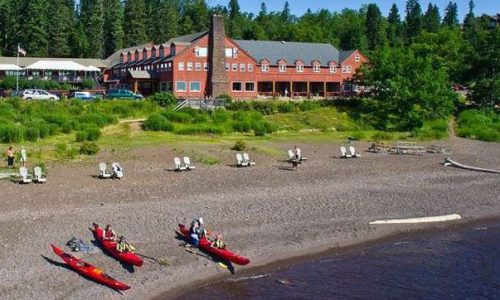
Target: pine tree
373	25
234	20
413	21
469	21
195	16
394	26
113	27
34	27
451	15
61	21
285	13
432	19
135	24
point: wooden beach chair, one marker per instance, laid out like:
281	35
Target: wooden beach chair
343	153
239	160
353	152
178	166
103	172
23	173
187	164
246	160
38	175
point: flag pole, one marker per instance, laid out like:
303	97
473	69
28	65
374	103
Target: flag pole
17	72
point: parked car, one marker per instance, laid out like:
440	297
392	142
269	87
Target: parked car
122	94
35	94
84	95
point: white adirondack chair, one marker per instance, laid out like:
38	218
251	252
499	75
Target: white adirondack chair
353	152
23	172
343	152
178	166
38	175
187	163
246	159
103	171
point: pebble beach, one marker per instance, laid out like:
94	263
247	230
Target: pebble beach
267	212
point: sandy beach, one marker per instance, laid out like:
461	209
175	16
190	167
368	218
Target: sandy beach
266	212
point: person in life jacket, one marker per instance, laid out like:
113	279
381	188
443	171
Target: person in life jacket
123	246
109	234
218	242
196	232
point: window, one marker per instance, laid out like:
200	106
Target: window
229	52
265	68
195	86
121	58
205	66
333	69
227	67
316	68
169	66
162	52
242	67
190	66
357	57
198	66
181	66
299	68
234	67
180	86
249	86
344	69
201	52
282	68
250	68
153	53
237	87
349	69
129	56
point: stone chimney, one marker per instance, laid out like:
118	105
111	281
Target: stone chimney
217	50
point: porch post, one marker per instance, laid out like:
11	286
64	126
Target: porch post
135	86
324	89
308	90
291	89
274	89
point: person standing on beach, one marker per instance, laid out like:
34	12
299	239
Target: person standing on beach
10	157
24	157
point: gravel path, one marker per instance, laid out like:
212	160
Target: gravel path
266	212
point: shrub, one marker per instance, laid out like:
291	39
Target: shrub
81	136
178	117
381	136
200	129
240	145
65	151
67	127
264	107
164	99
286	107
31	134
226	98
10	133
242	126
157	122
88	134
220	117
259	128
309	105
89	148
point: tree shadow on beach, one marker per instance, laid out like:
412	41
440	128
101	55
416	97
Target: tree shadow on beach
65	266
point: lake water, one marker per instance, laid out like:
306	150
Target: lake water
454	264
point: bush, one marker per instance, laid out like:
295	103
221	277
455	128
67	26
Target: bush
65	151
10	133
89	148
67	127
178	117
242	126
88	134
481	125
381	136
31	134
240	145
286	107
220	117
265	107
164	99
157	122
227	99
309	105
200	129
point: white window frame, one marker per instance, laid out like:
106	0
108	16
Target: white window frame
349	69
282	68
299	68
169	66
181	66
344	69
234	67
265	67
316	69
357	57
189	66
252	82
243	68
333	69
250	68
177	86
232	86
194	90
197	66
227	67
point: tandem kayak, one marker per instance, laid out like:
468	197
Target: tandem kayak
206	246
87	270
128	258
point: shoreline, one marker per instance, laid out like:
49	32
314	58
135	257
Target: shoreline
349	247
267	212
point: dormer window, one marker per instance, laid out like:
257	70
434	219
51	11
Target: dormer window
144	54
357	57
299	68
316	68
333	69
136	55
172	49
282	67
153	53
265	67
162	51
129	56
121	58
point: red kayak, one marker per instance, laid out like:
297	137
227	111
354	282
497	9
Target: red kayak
128	258
87	270
206	246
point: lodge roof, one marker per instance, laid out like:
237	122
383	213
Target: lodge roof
142	74
293	51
